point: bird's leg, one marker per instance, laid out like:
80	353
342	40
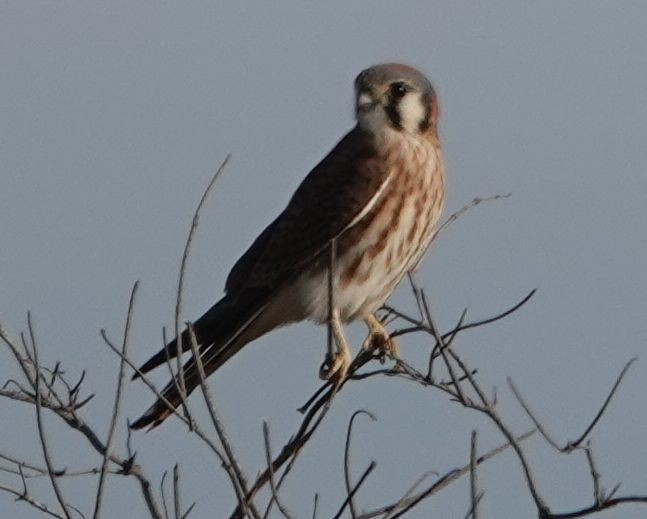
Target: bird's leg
378	339
334	368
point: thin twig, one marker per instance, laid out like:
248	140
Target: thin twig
183	266
450	477
68	413
475	201
63	473
188	511
144	378
526	408
294	448
597	417
354	490
474	505
288	454
39	421
25	490
444	344
442	347
25	465
24	362
417	297
485	406
31	501
177	502
474	491
409	493
314	506
488	409
574	444
116	405
228	459
598	493
420	326
273	487
349	432
589	510
163	494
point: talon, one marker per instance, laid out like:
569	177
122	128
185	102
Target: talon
335	369
378	340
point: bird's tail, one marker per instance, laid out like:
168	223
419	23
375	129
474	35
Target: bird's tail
220	333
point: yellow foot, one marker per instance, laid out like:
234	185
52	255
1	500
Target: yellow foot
334	369
378	340
336	365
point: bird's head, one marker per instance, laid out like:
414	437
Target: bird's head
395	96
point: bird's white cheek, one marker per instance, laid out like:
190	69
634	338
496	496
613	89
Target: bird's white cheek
412	112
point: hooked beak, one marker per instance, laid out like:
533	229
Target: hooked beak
366	102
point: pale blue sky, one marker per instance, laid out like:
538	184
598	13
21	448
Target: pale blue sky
114	116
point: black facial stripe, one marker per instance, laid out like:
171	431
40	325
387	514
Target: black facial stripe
393	114
427	100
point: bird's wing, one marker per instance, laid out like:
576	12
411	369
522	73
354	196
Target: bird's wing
336	193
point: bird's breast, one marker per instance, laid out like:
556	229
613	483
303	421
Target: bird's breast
374	254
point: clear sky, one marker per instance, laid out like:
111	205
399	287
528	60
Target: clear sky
114	115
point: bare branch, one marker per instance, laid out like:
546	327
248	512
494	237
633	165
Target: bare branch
442	347
571	445
288	454
474	491
24	360
68	413
405	505
497	317
409	493
349	432
473	506
228	460
24	481
31	501
180	285
420	326
488	409
39	421
188	511
48	388
597	417
116	406
163	494
598	494
177	502
608	504
354	490
314	506
273	487
144	378
475	201
538	425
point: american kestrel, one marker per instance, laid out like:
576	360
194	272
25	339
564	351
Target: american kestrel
376	198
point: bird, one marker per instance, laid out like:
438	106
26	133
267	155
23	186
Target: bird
355	226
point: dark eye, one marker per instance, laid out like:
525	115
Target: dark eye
399	90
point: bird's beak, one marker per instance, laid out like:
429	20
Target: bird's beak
366	102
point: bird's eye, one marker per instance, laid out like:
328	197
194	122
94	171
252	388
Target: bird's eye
399	90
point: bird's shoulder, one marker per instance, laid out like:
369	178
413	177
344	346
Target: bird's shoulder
325	203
